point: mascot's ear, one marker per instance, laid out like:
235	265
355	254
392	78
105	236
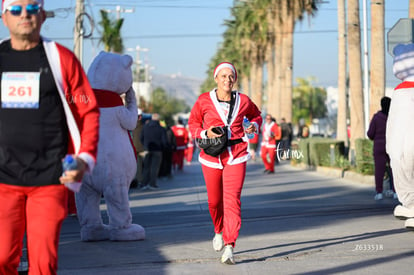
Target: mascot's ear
95	65
126	61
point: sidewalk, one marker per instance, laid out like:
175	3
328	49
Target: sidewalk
294	222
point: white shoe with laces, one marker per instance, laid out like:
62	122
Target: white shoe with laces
403	213
218	242
227	257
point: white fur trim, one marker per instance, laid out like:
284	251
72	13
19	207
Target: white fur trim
210	163
225	65
88	159
203	134
52	54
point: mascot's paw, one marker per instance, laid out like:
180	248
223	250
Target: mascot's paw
95	233
133	232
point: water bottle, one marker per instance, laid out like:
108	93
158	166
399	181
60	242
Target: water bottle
246	124
69	163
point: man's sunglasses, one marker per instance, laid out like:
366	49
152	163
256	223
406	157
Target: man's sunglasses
31	9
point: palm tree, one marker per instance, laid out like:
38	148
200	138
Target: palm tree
289	13
111	36
355	75
377	55
411	9
309	100
252	29
342	72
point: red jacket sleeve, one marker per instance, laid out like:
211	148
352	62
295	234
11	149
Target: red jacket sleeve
82	101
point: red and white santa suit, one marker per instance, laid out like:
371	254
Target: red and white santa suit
399	133
46	205
181	140
271	134
189	151
224	174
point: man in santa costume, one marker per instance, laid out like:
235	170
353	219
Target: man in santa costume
399	134
181	140
53	113
271	134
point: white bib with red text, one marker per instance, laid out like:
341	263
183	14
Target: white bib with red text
20	90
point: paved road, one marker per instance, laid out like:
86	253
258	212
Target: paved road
294	222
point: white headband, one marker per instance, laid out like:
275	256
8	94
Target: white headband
225	65
7	3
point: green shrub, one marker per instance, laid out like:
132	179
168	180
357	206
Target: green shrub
364	160
316	151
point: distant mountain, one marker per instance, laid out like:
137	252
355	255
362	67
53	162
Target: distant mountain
178	86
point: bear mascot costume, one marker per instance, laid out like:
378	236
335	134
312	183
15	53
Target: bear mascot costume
110	76
400	135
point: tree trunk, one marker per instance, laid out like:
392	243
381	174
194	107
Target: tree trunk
355	76
275	109
377	56
270	81
245	85
256	76
342	72
411	9
287	68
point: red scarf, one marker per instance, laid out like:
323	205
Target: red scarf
107	99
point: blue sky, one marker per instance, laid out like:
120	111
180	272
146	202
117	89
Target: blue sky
183	35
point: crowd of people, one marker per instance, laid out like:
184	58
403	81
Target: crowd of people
161	150
168	148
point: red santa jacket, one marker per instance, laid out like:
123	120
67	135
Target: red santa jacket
181	136
207	112
271	134
79	103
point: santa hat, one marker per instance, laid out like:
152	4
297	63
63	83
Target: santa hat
225	65
403	67
6	3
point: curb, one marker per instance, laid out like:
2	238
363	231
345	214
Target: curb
340	173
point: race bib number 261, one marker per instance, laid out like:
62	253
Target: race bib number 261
20	90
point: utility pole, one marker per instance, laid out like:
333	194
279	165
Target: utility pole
78	32
366	68
138	49
118	11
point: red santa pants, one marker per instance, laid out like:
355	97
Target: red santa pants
189	153
178	159
268	157
224	188
38	210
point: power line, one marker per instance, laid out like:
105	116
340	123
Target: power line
199	35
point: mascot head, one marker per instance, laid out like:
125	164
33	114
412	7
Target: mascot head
404	62
111	72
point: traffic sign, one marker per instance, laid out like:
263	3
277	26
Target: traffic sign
400	33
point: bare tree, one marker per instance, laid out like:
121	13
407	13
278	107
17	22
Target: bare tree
342	75
355	75
377	78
